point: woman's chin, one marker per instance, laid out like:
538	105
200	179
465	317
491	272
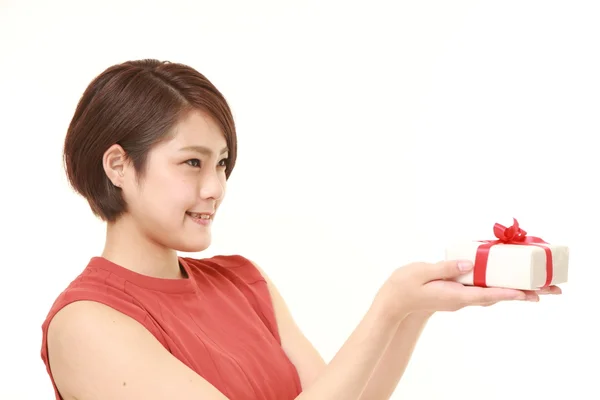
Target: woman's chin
193	243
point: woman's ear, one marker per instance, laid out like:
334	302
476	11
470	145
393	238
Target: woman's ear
114	162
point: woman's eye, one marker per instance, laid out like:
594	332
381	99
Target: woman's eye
194	162
223	162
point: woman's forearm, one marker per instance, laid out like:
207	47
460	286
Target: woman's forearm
394	361
348	373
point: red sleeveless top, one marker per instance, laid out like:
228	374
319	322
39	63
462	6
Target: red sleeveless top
220	322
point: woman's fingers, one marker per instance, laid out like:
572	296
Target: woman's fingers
472	295
480	296
549	290
442	270
532	295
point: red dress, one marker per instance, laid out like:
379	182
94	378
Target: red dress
220	322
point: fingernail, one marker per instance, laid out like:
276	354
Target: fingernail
465	265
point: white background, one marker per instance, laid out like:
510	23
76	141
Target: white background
371	134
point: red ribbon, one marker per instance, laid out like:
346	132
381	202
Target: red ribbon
510	235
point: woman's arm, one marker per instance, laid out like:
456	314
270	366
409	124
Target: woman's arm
387	371
96	352
348	373
392	365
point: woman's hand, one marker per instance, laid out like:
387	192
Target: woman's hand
427	288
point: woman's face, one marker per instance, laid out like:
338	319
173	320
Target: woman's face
175	202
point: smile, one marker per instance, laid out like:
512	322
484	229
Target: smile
200	218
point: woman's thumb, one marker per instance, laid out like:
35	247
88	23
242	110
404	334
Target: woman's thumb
449	269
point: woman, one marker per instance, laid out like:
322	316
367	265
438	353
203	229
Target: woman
151	146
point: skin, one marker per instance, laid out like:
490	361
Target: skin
98	353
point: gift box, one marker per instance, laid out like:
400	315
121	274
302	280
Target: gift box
513	260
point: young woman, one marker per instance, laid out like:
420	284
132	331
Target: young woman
151	146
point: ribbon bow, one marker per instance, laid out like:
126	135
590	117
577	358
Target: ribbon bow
511	235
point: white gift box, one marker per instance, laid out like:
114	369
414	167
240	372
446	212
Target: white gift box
514	266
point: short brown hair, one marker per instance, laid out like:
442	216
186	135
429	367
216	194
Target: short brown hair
135	104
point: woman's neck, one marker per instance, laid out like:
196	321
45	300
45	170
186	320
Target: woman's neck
130	248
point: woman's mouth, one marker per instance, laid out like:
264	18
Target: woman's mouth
200	218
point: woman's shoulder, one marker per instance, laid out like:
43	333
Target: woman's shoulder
231	264
220	260
97	290
248	278
97	284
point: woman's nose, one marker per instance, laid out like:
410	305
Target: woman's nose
212	186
